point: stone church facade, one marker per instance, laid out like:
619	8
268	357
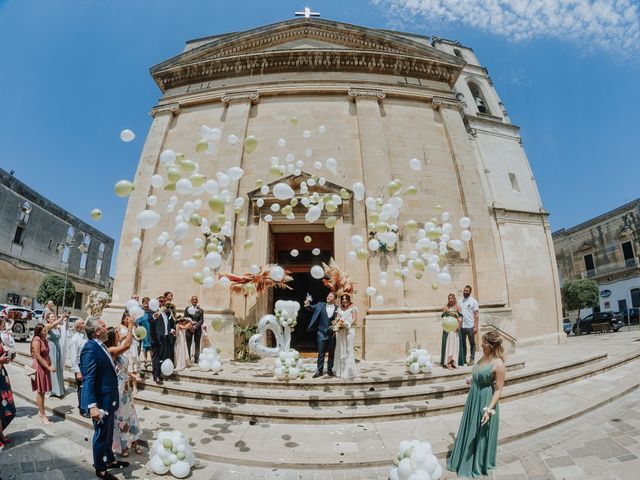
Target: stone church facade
384	97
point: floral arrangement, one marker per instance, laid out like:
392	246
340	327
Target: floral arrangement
286	311
210	360
288	366
338	324
171	452
415	461
419	361
256	283
337	280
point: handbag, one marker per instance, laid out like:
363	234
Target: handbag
206	343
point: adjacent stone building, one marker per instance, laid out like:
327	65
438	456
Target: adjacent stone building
384	97
35	240
604	249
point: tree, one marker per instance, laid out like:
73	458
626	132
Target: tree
52	288
580	293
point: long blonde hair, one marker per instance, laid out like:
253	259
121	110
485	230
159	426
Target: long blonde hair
494	341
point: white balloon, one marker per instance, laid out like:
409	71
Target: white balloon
255	269
275	207
370	291
415	164
184	186
283	191
232	139
465	235
313	214
216	366
235	173
282	142
260	202
180	230
264	189
167	157
352	256
213	260
136	243
444	278
224	282
308	152
358	191
127	135
208	282
180	469
374	244
294	253
331	165
379	299
223	179
148	219
277	273
465	222
157	181
211	187
167	367
268	218
357	240
306	134
317	272
152	200
154	304
157	466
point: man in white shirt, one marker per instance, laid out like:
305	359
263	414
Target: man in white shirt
469	307
75	347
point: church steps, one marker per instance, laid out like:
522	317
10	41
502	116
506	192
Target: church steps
349	394
284	412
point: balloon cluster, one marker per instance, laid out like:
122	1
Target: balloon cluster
171	452
286	311
419	361
415	461
208	206
210	360
288	366
134	309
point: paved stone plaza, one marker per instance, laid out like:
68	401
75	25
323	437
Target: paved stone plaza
602	445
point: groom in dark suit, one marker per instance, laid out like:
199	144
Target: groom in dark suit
323	313
163	329
100	396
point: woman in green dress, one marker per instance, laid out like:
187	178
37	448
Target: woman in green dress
474	452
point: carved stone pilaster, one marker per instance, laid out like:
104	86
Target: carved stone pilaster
252	97
172	108
367	93
437	102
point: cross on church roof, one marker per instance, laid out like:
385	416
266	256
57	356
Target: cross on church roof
307	13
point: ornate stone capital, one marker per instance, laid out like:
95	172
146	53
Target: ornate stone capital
372	93
172	108
437	102
247	96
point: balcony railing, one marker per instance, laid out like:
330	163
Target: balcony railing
612	269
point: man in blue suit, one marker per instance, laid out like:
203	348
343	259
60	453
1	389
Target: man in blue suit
323	313
100	396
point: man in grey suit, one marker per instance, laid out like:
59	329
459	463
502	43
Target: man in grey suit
323	313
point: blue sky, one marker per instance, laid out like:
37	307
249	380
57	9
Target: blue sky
76	72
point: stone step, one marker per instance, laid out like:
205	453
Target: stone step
322	394
314	413
363	444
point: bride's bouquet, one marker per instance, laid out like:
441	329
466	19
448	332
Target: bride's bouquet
337	324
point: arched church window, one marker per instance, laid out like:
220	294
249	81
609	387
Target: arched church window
84	250
478	98
100	259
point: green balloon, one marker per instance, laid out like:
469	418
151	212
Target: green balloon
362	254
330	206
394	187
173	174
187	166
197	277
195	219
197	179
123	188
201	146
216	204
250	144
330	222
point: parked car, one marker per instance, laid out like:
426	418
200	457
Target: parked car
567	325
585	325
633	314
37	313
22	318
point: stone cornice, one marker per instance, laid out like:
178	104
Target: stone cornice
172	108
294	61
247	96
505	215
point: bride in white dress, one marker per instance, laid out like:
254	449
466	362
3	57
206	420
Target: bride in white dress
345	339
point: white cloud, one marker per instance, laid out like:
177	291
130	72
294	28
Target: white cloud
607	24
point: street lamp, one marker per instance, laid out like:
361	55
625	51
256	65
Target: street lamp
82	248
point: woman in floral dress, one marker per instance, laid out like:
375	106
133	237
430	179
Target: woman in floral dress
126	430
